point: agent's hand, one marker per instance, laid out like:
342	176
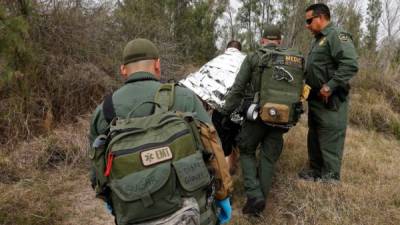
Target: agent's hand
225	213
325	92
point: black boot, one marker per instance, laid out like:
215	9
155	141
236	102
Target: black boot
309	175
254	206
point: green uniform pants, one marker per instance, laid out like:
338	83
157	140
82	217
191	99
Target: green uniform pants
258	183
325	140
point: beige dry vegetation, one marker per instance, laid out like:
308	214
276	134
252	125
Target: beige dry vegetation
368	194
50	183
375	102
59	99
39	172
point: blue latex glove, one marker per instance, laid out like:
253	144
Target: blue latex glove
108	207
225	213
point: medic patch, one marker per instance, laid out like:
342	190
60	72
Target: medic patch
291	60
343	37
156	155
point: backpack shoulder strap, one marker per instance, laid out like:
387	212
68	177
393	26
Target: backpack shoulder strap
165	97
265	56
108	108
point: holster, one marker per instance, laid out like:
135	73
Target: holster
244	105
338	96
227	131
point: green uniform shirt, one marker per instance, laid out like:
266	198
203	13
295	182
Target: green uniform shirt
332	59
141	87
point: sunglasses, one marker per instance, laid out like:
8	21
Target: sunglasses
309	20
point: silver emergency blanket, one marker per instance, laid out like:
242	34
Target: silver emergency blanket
215	78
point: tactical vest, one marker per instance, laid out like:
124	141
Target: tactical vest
282	81
149	163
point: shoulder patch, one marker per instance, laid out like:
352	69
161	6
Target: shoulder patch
343	37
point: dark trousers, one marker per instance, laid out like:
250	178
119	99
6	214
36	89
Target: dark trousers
326	136
257	183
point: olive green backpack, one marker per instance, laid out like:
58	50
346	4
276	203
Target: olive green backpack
149	163
282	81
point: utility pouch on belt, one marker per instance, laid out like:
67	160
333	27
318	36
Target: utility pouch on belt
333	103
282	86
217	161
342	92
97	154
338	96
305	93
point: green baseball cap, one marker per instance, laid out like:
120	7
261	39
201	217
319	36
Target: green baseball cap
139	49
272	32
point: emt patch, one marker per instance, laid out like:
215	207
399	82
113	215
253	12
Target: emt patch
156	155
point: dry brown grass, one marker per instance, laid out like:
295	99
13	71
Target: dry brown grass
36	175
30	201
59	193
62	149
56	98
368	194
375	102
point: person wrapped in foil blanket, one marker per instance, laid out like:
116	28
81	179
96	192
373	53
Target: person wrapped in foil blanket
214	79
212	83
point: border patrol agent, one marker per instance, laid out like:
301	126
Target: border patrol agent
141	71
331	63
257	183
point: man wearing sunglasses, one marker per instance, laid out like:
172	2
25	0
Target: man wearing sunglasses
331	63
